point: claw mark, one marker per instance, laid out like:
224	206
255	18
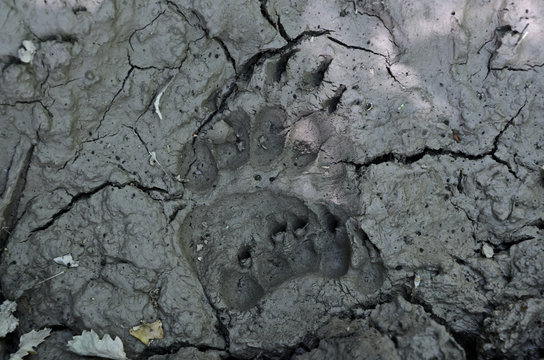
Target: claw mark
335	100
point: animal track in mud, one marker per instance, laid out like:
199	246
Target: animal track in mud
246	245
202	169
280	67
230	140
262	141
268	135
315	78
305	142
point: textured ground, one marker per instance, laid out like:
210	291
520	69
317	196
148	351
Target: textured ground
274	178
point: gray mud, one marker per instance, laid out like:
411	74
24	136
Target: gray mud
276	179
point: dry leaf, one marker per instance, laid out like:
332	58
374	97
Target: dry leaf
89	344
147	332
28	342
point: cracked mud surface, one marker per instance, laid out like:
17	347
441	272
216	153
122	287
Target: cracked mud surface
272	178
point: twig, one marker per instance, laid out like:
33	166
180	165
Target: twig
49	278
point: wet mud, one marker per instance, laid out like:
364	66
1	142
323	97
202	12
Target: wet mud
275	179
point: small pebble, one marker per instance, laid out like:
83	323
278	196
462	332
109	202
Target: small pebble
26	51
487	251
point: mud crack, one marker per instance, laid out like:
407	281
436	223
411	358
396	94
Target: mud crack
276	25
11	208
108	108
247	69
356	47
410	159
499	33
391	36
144	27
388	62
87	194
509	68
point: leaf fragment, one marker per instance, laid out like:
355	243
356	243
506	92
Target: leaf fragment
157	101
8	322
67	261
148	331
